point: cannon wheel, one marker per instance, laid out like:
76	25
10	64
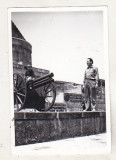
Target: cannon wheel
19	91
49	95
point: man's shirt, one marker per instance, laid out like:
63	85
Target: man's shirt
91	73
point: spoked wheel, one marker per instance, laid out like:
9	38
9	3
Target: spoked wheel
49	96
19	91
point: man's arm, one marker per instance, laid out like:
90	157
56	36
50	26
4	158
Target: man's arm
83	86
97	76
84	78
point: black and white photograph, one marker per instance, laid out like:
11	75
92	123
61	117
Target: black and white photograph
59	78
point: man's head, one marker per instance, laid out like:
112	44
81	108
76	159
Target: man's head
28	67
89	62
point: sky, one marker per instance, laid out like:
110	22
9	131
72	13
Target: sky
62	41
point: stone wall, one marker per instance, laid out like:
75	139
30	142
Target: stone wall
21	51
42	127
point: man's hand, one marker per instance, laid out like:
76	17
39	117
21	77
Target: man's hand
83	88
29	79
96	85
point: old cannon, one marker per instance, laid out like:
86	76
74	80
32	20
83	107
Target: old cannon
39	93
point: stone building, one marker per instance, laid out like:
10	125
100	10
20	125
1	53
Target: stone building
22	49
22	53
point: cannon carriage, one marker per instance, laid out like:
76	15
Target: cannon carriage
38	93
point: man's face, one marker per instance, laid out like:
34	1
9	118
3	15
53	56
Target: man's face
89	63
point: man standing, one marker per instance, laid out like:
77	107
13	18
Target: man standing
91	78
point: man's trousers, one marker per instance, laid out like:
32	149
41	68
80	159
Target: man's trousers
90	94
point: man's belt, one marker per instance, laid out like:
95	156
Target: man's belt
90	79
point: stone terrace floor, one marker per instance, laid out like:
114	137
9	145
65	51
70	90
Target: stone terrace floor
94	144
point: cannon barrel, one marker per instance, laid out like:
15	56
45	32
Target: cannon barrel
43	77
40	81
39	84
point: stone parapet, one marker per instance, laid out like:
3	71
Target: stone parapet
49	126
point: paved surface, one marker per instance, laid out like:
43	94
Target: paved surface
80	145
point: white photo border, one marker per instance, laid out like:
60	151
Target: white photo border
64	9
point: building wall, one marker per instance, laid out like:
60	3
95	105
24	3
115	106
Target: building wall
21	50
19	68
22	54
